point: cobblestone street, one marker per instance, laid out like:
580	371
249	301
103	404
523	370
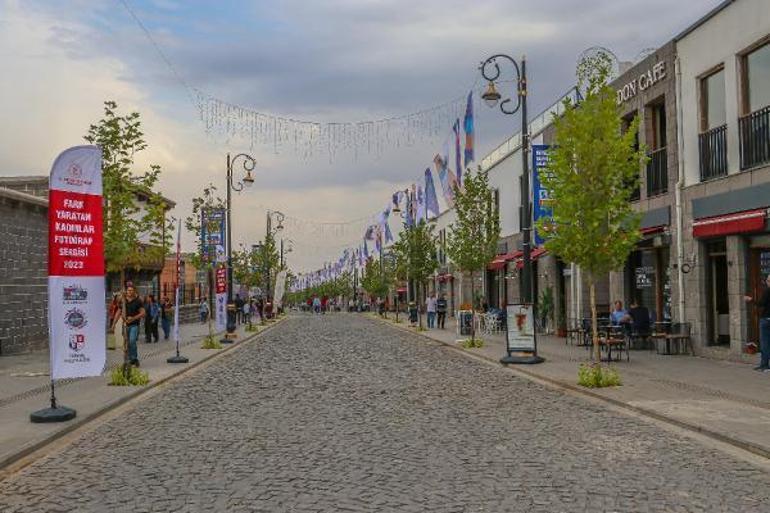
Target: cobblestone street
342	413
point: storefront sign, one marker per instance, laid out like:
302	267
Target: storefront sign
647	79
221	298
521	328
76	307
541	208
644	277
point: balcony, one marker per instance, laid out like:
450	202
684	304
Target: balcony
657	173
755	138
712	147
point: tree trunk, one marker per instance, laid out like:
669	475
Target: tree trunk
208	300
418	287
473	308
594	328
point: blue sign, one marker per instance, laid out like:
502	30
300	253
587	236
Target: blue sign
213	235
541	208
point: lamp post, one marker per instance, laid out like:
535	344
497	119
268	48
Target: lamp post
248	165
490	70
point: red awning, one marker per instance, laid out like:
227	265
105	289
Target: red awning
401	289
497	264
534	255
653	229
740	222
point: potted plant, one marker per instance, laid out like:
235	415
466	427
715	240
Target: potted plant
545	308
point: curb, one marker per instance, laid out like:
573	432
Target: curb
560	385
80	422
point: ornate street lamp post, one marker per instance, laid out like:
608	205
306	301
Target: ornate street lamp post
248	165
490	70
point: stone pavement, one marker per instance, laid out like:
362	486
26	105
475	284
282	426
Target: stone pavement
341	413
727	400
24	388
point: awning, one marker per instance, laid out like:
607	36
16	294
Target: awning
740	222
497	263
533	255
653	229
401	289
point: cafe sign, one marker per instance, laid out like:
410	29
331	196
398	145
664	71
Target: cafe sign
645	80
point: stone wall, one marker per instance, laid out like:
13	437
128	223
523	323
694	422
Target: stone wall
23	273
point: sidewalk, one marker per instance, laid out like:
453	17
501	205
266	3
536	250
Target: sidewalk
25	387
726	400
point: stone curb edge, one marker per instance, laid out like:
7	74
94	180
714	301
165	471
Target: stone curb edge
80	422
556	384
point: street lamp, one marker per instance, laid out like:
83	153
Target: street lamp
248	166
490	70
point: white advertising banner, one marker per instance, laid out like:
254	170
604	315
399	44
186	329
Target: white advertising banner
521	327
278	290
76	301
220	308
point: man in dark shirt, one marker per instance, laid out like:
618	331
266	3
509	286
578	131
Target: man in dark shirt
133	315
764	327
238	309
640	318
441	307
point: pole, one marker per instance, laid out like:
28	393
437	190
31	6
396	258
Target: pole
281	253
229	233
268	228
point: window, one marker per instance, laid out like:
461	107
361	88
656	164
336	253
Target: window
756	79
658	114
625	125
712	91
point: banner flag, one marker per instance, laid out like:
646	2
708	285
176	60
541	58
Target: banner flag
468	128
278	290
76	298
541	207
176	279
431	200
458	163
221	298
421	213
213	224
447	179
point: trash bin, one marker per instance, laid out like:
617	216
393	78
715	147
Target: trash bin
412	313
465	322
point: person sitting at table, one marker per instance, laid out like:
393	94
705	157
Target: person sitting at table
640	318
619	316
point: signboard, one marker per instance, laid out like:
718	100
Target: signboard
278	290
645	79
644	277
213	235
541	208
221	298
521	327
76	307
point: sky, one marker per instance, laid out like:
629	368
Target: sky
322	61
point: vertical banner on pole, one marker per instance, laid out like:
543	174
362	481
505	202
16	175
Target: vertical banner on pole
542	207
76	299
221	292
278	290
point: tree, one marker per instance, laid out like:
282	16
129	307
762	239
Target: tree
376	278
267	260
133	236
592	172
208	202
472	240
415	252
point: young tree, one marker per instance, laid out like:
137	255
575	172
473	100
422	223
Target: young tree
208	202
472	240
376	279
415	252
133	236
592	172
267	260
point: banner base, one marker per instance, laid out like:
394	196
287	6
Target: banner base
177	359
522	359
58	414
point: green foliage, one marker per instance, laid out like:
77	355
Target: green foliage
415	251
472	239
133	236
473	343
596	376
374	280
128	377
340	286
592	172
545	306
211	342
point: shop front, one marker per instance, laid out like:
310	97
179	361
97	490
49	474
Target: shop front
648	276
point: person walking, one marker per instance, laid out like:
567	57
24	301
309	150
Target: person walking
763	303
166	315
203	310
238	309
151	320
430	308
132	317
441	307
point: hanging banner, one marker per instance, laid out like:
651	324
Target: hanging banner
221	298
542	207
278	290
76	299
213	235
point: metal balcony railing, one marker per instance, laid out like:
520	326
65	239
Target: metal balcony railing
712	147
657	172
754	132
